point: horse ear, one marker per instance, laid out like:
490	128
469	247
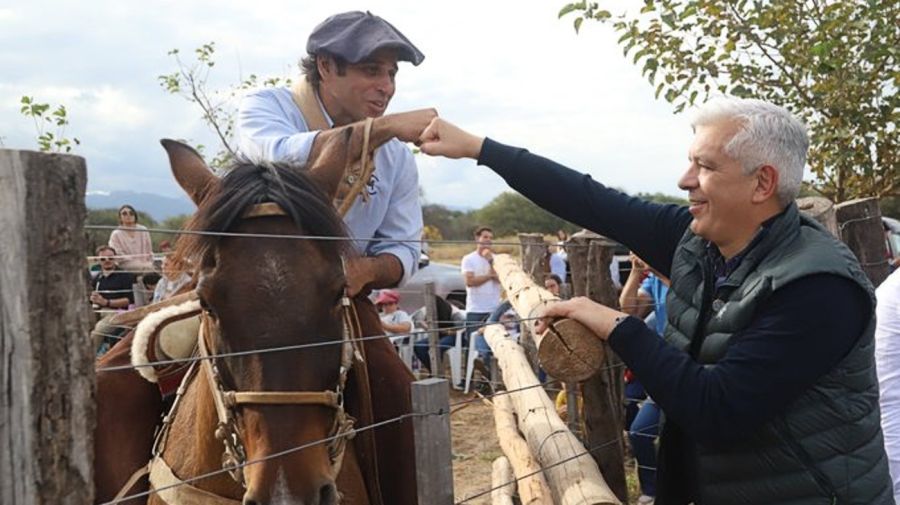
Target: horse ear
189	169
328	158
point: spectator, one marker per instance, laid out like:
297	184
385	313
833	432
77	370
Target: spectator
553	284
482	286
887	360
174	279
644	291
396	323
148	283
112	290
767	373
132	241
557	262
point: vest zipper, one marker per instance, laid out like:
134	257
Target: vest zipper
805	459
709	283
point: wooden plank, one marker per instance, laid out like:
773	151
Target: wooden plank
604	395
434	460
859	222
572	475
533	488
568	350
503	487
46	364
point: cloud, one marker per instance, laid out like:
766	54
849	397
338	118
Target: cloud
513	72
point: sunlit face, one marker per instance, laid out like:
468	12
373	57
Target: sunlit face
719	192
127	216
365	89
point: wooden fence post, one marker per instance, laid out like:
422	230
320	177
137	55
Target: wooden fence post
822	210
46	370
534	263
859	222
604	412
433	335
434	458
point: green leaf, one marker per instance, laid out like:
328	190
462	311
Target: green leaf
578	22
567	9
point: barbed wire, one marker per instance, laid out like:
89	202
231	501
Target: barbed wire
327	238
541	470
275	455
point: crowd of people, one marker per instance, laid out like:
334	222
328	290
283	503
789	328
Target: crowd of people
128	274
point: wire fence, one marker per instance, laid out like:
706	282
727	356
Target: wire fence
456	325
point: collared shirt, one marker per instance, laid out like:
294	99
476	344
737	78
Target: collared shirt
271	128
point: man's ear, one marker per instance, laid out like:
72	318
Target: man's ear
766	184
325	65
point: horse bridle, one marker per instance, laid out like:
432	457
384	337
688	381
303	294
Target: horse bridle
228	401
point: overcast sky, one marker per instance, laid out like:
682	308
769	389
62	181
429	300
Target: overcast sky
506	69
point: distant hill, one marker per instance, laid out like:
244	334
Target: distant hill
158	206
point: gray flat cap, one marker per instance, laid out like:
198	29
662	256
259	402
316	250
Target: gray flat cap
355	35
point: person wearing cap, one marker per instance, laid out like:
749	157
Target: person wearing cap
348	77
396	323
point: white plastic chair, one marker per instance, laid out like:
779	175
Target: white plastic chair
454	354
470	361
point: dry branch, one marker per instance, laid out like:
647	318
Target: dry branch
533	489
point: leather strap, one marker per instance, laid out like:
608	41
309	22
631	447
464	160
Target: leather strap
324	398
366	438
162	476
305	99
365	173
136	476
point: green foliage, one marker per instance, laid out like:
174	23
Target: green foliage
452	224
45	115
175	222
511	213
662	198
191	81
834	63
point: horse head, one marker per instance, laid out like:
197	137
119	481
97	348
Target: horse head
262	290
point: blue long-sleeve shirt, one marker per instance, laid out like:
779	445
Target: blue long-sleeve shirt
800	333
271	128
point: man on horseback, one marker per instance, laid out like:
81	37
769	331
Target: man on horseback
349	82
349	76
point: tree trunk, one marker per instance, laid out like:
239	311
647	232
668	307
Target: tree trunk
568	350
46	370
533	489
573	477
861	229
604	395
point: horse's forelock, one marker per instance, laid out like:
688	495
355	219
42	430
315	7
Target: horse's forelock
248	184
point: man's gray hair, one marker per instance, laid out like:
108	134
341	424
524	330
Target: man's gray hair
768	135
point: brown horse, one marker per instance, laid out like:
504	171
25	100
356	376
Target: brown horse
258	293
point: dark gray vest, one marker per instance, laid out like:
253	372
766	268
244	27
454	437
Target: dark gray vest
827	447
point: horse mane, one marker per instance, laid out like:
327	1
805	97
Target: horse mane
247	184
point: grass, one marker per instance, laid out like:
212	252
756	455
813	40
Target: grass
453	253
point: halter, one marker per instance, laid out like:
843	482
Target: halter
228	402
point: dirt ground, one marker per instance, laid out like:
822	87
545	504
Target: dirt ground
475	447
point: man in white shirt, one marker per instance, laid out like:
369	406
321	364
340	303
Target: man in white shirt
482	286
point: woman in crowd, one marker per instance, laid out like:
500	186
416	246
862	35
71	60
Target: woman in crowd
132	242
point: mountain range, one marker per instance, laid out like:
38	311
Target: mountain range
158	206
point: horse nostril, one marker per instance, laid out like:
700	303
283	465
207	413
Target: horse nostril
250	501
328	494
